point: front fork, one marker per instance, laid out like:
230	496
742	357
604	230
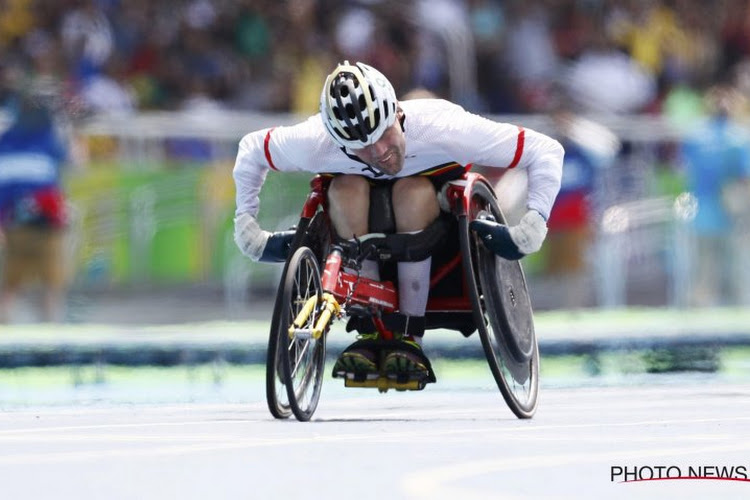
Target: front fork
331	308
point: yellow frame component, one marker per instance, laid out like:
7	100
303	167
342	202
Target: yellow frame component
382	384
331	308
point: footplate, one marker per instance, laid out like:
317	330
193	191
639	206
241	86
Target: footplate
382	380
382	384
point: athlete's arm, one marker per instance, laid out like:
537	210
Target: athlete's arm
474	139
501	145
258	153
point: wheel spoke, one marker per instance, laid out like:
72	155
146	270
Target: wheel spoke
299	354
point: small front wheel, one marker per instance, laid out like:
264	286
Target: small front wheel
302	355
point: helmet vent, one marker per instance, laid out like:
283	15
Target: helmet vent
360	134
371	127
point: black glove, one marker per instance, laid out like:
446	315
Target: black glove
496	237
277	246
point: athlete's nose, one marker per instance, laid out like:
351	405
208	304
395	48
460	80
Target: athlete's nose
379	149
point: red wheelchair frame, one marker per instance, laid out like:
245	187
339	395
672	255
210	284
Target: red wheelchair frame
381	294
308	300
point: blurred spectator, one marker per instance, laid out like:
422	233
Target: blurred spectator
530	52
444	59
488	27
589	148
605	80
717	167
32	211
198	98
252	31
650	33
109	92
742	80
355	33
682	106
86	37
735	32
16	19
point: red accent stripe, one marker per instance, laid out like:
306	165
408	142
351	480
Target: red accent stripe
268	151
519	147
443	271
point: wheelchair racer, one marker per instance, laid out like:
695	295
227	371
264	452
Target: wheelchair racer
364	136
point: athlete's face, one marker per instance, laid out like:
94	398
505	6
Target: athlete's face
387	153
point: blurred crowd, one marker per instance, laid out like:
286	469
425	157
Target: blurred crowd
572	60
495	56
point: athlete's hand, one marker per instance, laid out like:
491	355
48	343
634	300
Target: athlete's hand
277	246
258	244
514	242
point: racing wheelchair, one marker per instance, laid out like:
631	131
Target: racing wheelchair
471	289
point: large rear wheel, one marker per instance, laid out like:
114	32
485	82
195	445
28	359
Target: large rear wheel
302	355
501	309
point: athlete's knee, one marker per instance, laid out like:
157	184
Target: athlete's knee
346	186
349	202
410	185
415	203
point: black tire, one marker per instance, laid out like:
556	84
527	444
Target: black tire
315	233
501	310
302	359
276	397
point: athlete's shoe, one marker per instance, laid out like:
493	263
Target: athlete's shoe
357	361
406	362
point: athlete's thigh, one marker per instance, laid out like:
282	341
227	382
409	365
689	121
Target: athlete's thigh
415	203
348	205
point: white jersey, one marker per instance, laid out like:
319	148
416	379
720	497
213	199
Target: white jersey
437	134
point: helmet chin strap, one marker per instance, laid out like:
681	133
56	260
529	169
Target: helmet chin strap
356	158
375	169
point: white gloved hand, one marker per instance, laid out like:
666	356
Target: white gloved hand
249	237
515	242
530	232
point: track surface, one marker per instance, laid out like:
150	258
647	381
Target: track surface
452	442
